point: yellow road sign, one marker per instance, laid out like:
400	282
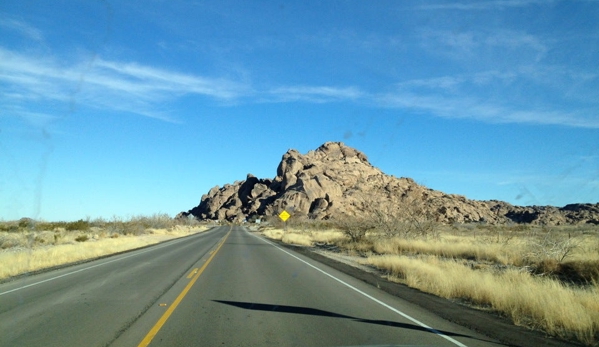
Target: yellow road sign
284	216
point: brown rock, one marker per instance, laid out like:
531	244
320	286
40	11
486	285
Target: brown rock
336	180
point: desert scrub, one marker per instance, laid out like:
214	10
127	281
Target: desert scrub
452	247
81	238
13	240
328	236
540	303
297	239
275	234
21	253
558	252
290	237
541	277
306	237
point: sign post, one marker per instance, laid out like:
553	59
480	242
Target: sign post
284	217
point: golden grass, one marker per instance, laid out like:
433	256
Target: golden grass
290	237
587	248
462	247
274	234
297	239
536	302
327	236
304	238
22	259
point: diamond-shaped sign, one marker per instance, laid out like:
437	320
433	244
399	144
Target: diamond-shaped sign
284	216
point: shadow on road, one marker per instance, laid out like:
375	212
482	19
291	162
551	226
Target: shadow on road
322	313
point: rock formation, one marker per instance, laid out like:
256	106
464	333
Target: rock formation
337	180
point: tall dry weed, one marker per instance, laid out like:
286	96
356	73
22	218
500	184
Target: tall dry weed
536	302
453	247
297	239
328	236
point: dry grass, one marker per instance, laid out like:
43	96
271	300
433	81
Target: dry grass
329	236
453	247
304	238
25	249
540	303
570	256
543	278
297	239
290	237
274	234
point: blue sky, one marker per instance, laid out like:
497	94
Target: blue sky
126	108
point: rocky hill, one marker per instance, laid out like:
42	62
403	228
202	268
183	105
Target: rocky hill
336	180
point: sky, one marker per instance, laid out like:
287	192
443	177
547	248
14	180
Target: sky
126	108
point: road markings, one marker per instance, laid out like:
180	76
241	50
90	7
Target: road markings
193	272
146	341
414	320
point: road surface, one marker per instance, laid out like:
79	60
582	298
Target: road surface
223	287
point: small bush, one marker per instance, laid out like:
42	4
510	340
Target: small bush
81	238
552	246
581	272
44	238
80	225
26	223
355	228
9	227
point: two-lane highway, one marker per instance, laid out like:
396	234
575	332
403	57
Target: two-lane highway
92	303
225	287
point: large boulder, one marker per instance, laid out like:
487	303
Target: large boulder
336	180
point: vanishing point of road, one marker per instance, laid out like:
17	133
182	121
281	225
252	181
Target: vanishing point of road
224	287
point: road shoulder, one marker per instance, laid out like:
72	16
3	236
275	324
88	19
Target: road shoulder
486	323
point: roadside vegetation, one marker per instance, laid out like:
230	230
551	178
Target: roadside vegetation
28	245
540	277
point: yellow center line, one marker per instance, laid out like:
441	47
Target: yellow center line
146	341
193	272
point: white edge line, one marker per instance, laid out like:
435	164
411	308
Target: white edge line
366	295
93	266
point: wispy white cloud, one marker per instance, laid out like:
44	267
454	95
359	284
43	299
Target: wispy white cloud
22	28
113	85
485	5
140	80
460	97
464	107
444	82
485	95
467	46
317	94
453	97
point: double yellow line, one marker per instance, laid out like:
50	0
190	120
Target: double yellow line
146	341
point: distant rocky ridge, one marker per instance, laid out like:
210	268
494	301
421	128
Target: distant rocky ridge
337	180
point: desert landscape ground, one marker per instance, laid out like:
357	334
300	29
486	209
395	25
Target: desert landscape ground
27	245
543	278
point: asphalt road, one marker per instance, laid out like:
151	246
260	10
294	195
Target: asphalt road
224	287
